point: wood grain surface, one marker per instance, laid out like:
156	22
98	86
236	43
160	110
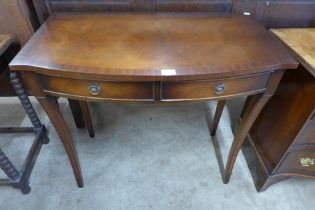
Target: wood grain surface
302	42
15	19
152	47
5	41
152	57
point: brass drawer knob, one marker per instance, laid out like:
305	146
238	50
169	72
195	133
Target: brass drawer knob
307	162
94	89
219	88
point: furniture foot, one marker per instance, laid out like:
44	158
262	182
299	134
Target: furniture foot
87	117
217	116
26	189
44	138
50	105
77	113
43	132
262	176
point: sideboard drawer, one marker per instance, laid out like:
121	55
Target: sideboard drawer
106	90
211	89
300	162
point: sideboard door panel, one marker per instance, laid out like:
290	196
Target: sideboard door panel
91	5
214	6
279	13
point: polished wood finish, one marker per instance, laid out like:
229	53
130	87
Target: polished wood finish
273	150
292	165
120	91
50	105
202	90
147	57
77	113
15	19
291	109
301	42
255	105
87	117
217	116
271	13
5	41
307	134
150	50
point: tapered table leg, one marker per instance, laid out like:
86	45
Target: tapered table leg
217	116
77	113
253	107
50	105
87	117
247	101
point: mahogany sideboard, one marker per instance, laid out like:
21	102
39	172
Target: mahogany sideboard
152	58
281	143
271	13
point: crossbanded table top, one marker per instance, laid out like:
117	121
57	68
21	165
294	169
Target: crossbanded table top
152	47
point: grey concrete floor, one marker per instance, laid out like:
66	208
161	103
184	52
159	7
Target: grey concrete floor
143	157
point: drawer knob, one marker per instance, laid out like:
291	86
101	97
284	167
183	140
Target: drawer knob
219	88
307	162
94	89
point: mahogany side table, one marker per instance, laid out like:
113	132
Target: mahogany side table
152	58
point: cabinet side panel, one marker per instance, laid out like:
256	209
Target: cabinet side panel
284	115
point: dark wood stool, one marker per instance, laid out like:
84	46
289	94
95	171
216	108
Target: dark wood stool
80	111
20	179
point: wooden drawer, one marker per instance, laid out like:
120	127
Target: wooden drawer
196	90
296	163
307	134
106	90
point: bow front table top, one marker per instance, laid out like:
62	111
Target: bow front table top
152	58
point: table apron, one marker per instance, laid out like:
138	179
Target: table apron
173	91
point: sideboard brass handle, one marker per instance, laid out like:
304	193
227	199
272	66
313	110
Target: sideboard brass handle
94	89
305	162
219	88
